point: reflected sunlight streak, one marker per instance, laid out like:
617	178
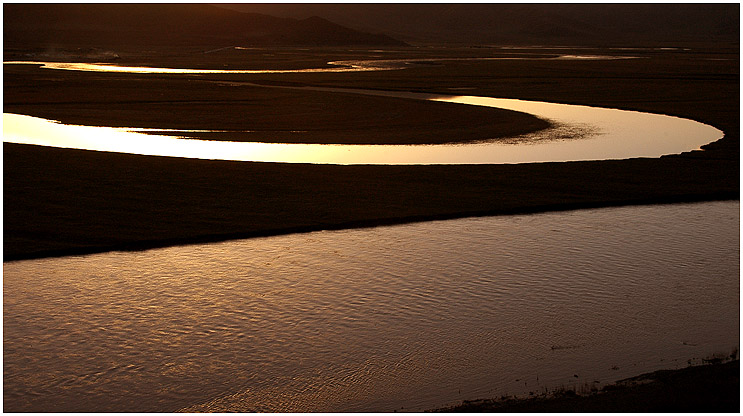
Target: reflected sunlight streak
578	133
336	66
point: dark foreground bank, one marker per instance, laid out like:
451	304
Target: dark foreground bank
64	202
708	388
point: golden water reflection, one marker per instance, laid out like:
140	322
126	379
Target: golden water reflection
101	67
418	315
579	133
356	65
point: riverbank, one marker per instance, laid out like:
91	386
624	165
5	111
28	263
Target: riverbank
111	201
61	201
707	388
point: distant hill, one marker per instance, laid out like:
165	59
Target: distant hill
535	24
151	25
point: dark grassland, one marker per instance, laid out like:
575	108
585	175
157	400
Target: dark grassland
700	389
61	201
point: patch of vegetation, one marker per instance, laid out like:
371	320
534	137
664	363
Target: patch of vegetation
712	387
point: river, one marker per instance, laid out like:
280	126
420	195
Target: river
577	133
404	317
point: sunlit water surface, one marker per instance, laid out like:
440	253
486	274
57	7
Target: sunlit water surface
356	65
579	133
406	317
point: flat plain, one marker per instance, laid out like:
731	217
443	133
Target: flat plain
646	58
62	201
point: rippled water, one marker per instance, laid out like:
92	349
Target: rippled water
413	316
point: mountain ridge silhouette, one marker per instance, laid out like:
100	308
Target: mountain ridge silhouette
143	25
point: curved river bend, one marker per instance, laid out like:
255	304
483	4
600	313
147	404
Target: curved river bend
408	317
579	133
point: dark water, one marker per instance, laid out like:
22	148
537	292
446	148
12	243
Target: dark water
414	316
